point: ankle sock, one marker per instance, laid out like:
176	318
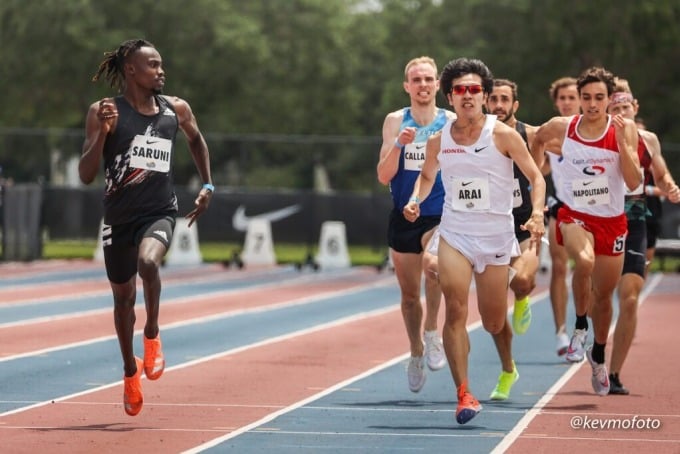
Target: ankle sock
582	322
598	353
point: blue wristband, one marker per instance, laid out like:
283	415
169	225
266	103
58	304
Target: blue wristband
209	187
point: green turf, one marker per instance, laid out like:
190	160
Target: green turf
218	252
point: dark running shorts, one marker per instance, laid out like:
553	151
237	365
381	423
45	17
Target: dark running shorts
653	230
405	236
121	243
636	248
519	220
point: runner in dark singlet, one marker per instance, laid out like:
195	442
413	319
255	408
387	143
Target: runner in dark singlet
133	135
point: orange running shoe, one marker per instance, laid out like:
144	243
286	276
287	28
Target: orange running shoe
133	399
154	361
468	406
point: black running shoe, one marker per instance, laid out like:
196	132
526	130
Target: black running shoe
615	386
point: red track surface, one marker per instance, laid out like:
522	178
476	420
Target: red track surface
651	373
192	405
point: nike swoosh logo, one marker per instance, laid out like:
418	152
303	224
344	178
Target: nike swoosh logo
420	147
586	183
149	142
465	183
240	221
499	255
477	150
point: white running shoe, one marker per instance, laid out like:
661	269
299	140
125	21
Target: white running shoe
577	346
434	351
562	343
600	378
416	373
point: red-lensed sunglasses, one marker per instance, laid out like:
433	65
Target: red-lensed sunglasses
461	89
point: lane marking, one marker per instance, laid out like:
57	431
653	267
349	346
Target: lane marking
204	319
537	409
168	301
268	341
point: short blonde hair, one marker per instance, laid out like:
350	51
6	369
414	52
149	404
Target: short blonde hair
416	61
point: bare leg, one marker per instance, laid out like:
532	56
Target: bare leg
455	276
124	318
629	294
151	252
503	341
579	246
526	266
606	275
408	268
559	293
433	292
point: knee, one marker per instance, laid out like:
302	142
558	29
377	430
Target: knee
522	285
602	303
493	326
430	266
410	304
124	302
456	315
147	267
584	263
559	267
628	305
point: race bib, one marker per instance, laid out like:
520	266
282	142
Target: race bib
516	194
470	194
151	153
590	192
414	156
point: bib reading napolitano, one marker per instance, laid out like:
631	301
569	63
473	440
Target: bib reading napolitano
414	156
470	194
591	191
151	153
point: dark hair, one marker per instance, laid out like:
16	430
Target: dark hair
462	66
112	65
596	74
507	83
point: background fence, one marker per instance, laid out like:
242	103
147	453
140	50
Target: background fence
298	181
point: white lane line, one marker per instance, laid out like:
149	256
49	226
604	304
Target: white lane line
523	423
271	340
208	318
169	281
169	301
312	398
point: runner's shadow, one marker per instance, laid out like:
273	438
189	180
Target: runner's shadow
92	427
453	426
576	407
556	362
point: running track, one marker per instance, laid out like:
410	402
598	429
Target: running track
273	360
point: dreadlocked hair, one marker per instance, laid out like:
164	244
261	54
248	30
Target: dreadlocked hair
112	65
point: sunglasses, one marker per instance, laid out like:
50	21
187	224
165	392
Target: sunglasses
461	89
